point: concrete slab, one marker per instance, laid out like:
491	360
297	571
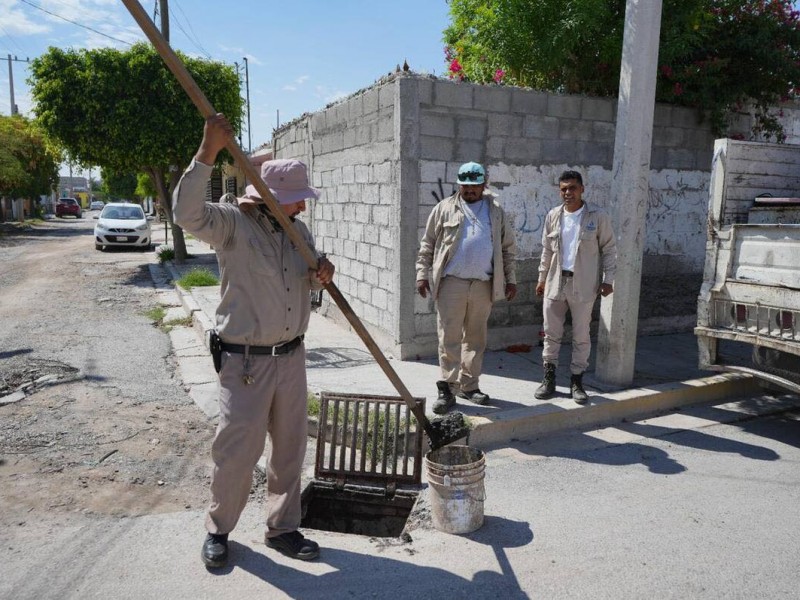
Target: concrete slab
196	370
206	395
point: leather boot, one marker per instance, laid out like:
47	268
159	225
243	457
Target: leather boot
445	400
548	387
576	387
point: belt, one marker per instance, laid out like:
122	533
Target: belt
566	273
271	350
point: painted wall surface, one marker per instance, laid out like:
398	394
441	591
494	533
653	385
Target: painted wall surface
386	155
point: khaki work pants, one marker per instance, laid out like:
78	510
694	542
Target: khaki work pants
463	309
275	403
555	312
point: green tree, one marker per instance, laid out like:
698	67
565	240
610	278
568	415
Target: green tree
715	55
125	112
118	185
28	162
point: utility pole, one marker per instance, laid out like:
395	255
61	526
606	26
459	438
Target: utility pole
236	64
619	312
247	88
14	107
164	19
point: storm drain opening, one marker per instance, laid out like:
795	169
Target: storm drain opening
368	466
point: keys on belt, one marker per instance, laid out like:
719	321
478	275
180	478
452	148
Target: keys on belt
565	273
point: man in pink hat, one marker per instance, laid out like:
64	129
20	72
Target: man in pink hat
258	343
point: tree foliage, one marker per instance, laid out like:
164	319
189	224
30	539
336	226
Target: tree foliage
125	112
118	185
28	161
716	55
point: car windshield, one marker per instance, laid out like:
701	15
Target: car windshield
123	213
68	201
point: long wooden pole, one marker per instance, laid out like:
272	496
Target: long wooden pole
188	83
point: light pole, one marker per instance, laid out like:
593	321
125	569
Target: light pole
247	88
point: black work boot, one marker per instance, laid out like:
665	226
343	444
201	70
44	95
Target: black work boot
476	396
294	544
548	387
576	387
215	550
445	401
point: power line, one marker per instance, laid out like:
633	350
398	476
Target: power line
193	38
75	23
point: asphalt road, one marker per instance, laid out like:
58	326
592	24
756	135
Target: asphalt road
673	507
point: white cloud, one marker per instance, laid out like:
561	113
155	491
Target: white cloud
292	87
14	20
329	95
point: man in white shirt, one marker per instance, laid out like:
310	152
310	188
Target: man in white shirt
579	260
466	262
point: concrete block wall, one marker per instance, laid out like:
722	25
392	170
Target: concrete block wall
386	155
350	149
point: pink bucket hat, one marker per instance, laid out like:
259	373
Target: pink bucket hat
287	179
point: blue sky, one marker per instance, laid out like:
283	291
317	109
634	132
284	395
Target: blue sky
302	54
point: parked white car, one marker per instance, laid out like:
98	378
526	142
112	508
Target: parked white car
96	205
122	224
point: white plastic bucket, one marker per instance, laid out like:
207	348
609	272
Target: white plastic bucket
455	485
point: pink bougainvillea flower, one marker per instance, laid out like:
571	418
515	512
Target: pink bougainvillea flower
498	75
677	89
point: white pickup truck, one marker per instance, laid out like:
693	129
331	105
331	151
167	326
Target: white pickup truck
751	281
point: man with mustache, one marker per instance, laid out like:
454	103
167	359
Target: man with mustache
466	262
578	262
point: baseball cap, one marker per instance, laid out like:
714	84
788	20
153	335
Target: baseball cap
471	173
287	179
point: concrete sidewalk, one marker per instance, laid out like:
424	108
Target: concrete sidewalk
666	376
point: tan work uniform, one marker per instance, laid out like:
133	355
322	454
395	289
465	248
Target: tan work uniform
595	263
265	285
463	305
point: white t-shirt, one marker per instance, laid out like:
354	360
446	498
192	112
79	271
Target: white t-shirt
570	230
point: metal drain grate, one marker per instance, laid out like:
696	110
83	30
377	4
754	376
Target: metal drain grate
364	438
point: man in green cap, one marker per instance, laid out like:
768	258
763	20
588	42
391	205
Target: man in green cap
466	262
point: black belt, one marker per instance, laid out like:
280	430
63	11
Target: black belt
271	350
566	273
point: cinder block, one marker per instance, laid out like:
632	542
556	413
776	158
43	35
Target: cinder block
469	150
495	148
425	91
604	133
495	99
378	257
364	292
370	101
594	153
545	128
503	124
432	123
386	96
387	238
363	213
471	128
564	106
597	109
386	195
385	128
575	129
369	193
382	172
528	102
455	95
432	170
371	274
318	122
669	137
355	106
362	173
380	299
523	150
380	215
372	234
559	151
685	117
679	158
436	148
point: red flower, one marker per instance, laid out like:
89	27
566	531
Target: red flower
498	75
677	89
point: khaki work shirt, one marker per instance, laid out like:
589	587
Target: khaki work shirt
265	282
443	232
595	260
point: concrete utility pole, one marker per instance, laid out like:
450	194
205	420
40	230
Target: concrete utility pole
164	19
619	312
11	86
247	88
